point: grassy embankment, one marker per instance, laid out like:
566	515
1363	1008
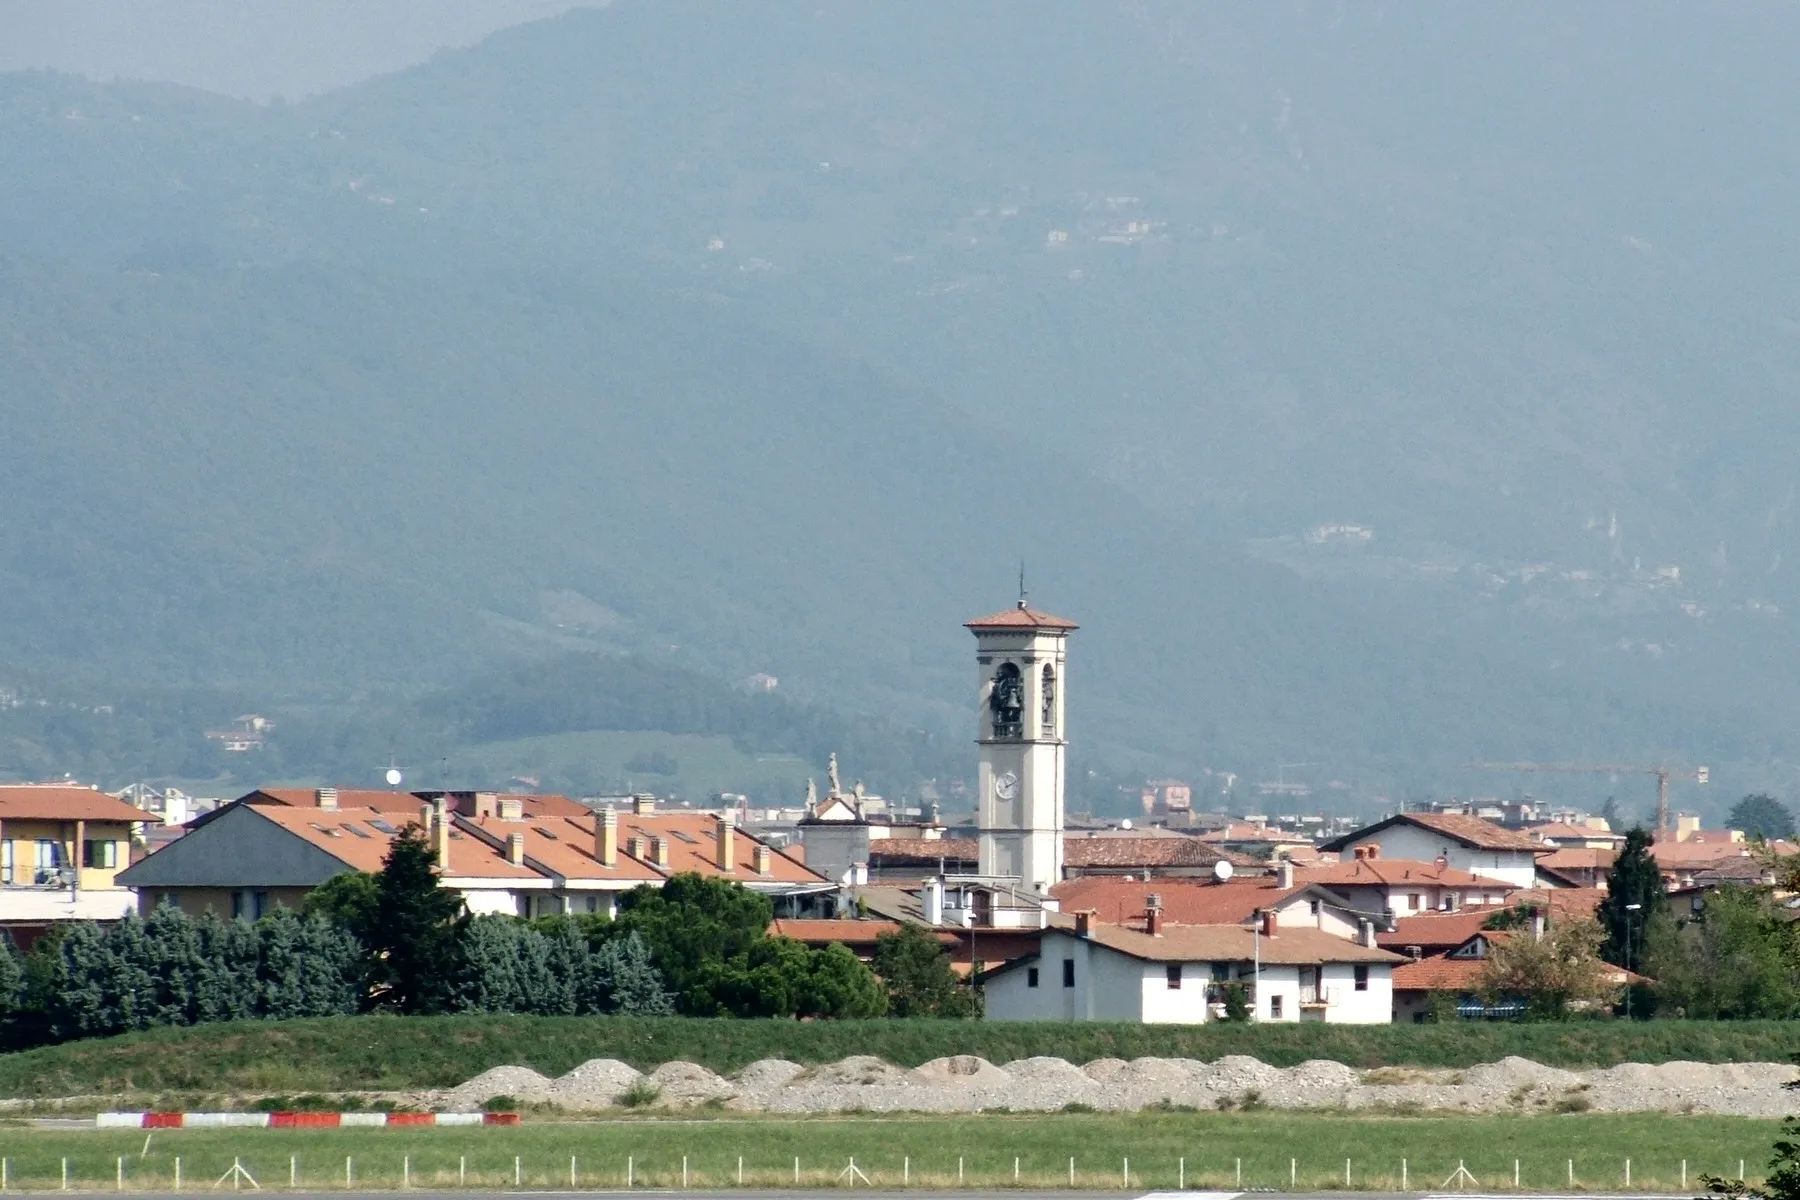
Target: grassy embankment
392	1053
924	1151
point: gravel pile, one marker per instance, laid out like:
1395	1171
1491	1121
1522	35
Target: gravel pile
966	1083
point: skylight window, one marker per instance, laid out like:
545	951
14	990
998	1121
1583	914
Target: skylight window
353	829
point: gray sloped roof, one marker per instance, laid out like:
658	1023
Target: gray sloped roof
239	848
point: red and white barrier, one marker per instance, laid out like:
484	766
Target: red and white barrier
293	1120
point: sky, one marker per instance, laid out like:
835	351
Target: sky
251	48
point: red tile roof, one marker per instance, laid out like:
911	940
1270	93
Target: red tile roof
1390	872
1460	827
693	846
1146	851
1579	858
356	837
1185	902
53	803
1022	617
924	850
821	932
1437	930
1562	831
565	847
1236	943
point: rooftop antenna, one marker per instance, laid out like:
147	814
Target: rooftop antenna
1023	595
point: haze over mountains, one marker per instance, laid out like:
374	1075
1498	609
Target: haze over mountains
1381	388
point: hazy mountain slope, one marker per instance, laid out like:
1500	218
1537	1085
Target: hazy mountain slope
778	334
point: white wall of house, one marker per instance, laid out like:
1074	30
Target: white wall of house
29	904
1374	1005
1515	867
1308	912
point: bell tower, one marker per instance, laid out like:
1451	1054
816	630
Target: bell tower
1021	658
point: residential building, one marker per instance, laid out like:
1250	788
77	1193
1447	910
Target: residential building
62	849
1460	840
1141	853
1456	977
1372	882
1239	901
1173	974
497	855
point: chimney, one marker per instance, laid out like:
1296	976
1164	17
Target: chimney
440	815
635	848
1537	924
1415	952
643	804
1365	933
722	838
1374	849
1284	874
487	804
762	859
1153	915
425	816
1268	922
659	852
1084	923
932	901
327	798
511	808
1360	852
515	849
606	838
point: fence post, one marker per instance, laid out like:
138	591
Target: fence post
1180	1175
1684	1173
462	1170
959	1168
796	1169
121	1177
630	1170
1125	1167
1015	1168
1628	1172
1071	1170
5	1171
349	1172
293	1170
684	1172
1293	1172
1515	1172
740	1170
1740	1170
178	1173
406	1170
571	1171
65	1174
1240	1173
1403	1184
518	1172
1346	1172
1571	1172
906	1170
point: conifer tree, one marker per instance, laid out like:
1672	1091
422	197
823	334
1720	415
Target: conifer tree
1634	880
415	938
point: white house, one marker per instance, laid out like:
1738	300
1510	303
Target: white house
1172	974
1372	882
1463	842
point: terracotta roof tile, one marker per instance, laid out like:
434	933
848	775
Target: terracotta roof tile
1148	851
1236	943
819	932
1021	617
1185	902
52	803
1440	930
924	850
1390	872
692	843
1470	831
359	837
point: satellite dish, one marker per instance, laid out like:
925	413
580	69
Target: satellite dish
1221	870
1125	824
394	777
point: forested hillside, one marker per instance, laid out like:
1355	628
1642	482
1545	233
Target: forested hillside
1380	390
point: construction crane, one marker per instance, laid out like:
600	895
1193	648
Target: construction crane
1663	775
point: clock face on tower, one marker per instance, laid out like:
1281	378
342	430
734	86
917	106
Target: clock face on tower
1006	786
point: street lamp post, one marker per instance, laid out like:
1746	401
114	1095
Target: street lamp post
1629	920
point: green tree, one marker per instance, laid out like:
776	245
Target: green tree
692	926
1736	958
12	978
1555	976
490	980
839	986
916	970
415	938
1762	817
628	980
1634	879
348	899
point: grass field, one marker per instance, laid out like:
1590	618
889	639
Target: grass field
395	1053
1160	1150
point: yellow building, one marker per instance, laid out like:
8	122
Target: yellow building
61	850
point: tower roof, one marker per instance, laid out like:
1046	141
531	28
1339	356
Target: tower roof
1022	617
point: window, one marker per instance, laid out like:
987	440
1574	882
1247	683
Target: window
1221	972
1068	972
6	862
1487	897
1412	901
237	905
1049	699
1031	976
1006	702
1275	1008
48	861
259	905
1362	978
101	855
1173	972
1313	907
